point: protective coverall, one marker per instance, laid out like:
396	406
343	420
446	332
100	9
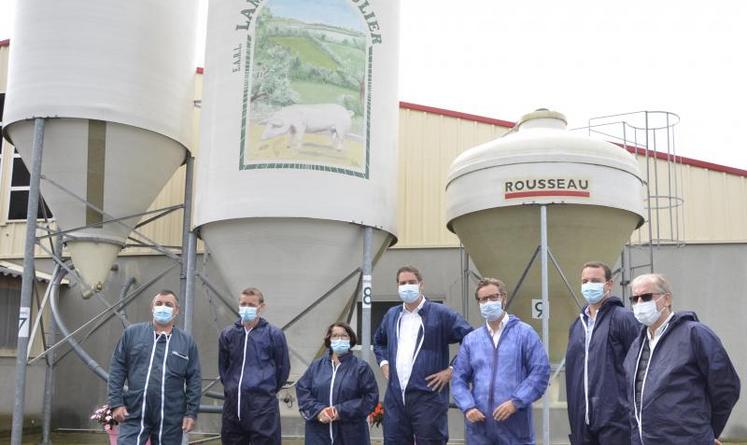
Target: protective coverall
350	387
253	366
689	389
162	373
594	375
418	412
486	376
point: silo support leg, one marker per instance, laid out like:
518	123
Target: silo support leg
27	283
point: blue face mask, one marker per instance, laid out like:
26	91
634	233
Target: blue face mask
340	346
593	292
491	310
248	313
163	314
409	293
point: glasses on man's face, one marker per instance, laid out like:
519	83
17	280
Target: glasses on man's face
339	337
485	299
642	297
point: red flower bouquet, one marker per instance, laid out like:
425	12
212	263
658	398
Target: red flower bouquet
377	416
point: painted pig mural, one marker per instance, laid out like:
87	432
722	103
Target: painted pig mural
297	120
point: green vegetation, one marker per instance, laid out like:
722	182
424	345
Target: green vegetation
315	93
306	50
348	55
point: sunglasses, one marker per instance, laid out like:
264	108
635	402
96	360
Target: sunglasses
642	297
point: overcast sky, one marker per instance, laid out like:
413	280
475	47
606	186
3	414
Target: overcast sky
582	58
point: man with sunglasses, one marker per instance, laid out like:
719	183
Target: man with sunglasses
598	342
500	370
681	384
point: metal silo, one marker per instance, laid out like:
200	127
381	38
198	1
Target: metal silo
298	152
115	82
593	195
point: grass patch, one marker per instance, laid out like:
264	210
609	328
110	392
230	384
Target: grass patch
316	93
307	50
349	55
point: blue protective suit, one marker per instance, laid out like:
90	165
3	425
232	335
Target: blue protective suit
253	367
690	388
486	376
614	329
354	394
422	414
163	378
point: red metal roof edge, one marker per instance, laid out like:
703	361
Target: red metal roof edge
685	160
457	114
5	42
501	123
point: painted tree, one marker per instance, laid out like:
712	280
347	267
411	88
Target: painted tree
272	64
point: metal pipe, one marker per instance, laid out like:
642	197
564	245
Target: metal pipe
107	312
565	280
515	291
79	351
119	221
366	294
123	295
189	282
92	364
465	281
165	210
186	227
322	298
27	283
545	318
229	304
49	372
648	206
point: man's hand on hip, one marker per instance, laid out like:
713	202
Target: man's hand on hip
437	381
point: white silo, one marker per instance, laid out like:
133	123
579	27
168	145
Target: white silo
298	152
115	81
594	196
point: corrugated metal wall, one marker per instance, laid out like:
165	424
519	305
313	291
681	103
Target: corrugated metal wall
715	203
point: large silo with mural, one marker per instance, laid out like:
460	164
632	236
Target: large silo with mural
298	152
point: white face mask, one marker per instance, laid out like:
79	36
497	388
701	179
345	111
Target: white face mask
647	312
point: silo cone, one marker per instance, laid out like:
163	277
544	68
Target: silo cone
593	192
115	82
293	165
295	262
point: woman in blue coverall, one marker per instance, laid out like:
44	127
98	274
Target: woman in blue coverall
337	393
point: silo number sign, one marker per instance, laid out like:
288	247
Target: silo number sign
537	308
366	291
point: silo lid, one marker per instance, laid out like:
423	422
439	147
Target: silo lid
544	114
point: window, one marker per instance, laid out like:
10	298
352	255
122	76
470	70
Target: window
20	178
10	303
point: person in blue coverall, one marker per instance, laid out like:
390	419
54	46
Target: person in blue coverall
253	364
412	349
337	393
681	383
500	370
598	342
161	367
